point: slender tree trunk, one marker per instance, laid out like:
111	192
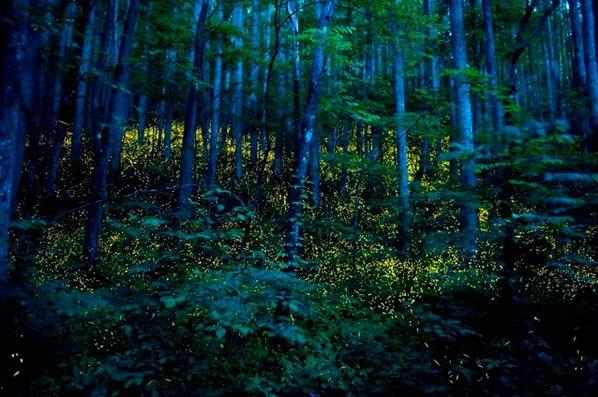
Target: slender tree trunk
143	99
550	91
142	118
168	129
97	111
237	106
42	40
185	189
401	142
307	134
497	110
216	100
56	138
253	78
465	124
589	33
169	111
264	137
577	38
579	117
453	138
294	9
27	92
12	120
116	118
555	75
82	83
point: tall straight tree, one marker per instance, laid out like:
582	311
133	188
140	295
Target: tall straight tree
12	119
185	188
293	10
216	101
237	106
589	34
402	149
117	112
578	59
57	129
431	81
170	103
253	81
306	135
465	126
491	69
96	111
555	70
83	82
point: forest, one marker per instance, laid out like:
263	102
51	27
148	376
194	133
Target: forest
298	198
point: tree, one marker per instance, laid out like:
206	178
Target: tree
589	34
116	117
83	82
237	127
216	100
497	110
402	148
308	126
12	120
186	184
465	125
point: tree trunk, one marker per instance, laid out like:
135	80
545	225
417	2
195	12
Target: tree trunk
401	142
253	78
237	106
12	121
294	9
216	100
116	117
589	34
497	111
550	91
555	75
142	118
169	111
307	134
82	84
185	188
168	129
465	125
56	138
314	167
97	111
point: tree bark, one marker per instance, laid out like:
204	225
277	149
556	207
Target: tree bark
216	100
253	79
57	128
589	33
116	117
185	189
490	50
402	149
12	121
306	136
294	9
82	83
465	125
237	106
